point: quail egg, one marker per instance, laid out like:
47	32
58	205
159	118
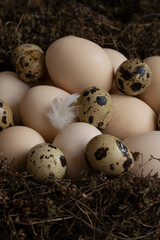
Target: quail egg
21	49
106	153
6	116
30	66
133	77
46	160
95	107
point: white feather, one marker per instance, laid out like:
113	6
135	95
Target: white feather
62	112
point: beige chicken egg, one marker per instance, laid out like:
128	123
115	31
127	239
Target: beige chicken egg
133	77
46	160
12	91
106	153
6	116
21	49
145	148
15	143
72	140
116	57
35	106
131	116
152	93
75	64
95	107
158	121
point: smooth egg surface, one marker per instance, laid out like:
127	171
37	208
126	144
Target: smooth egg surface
152	93
146	145
75	64
12	91
35	106
72	140
131	116
15	143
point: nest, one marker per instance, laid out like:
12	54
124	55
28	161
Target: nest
93	207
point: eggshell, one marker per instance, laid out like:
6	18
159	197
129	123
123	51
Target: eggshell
95	107
72	140
131	116
106	153
35	106
147	145
30	66
21	49
75	64
12	90
133	77
116	58
46	160
6	116
152	93
15	143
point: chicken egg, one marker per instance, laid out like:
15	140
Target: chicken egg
145	147
12	91
75	64
151	94
131	116
72	140
15	143
35	106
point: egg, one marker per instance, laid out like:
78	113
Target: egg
15	143
133	77
95	107
158	121
75	64
145	147
131	116
46	160
116	57
30	66
151	95
12	91
6	116
106	153
72	140
21	49
35	106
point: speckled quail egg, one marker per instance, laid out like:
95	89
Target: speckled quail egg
46	160
21	49
95	107
30	66
133	77
6	116
106	153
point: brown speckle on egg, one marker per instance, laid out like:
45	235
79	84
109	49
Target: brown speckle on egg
101	153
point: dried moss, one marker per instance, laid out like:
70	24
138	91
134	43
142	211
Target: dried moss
95	207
